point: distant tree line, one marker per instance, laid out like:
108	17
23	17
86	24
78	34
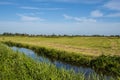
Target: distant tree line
54	35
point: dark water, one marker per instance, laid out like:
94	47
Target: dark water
58	64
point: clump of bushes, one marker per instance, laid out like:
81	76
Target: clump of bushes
106	64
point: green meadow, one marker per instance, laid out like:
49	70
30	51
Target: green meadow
93	46
99	53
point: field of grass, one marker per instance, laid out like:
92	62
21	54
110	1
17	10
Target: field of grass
92	46
64	48
105	64
16	66
84	51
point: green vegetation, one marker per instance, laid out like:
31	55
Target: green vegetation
56	54
107	64
99	53
15	66
102	64
92	46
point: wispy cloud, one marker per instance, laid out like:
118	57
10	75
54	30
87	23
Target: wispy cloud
29	18
113	5
60	28
96	13
33	13
67	17
51	8
78	19
91	1
28	7
114	15
36	8
72	1
6	3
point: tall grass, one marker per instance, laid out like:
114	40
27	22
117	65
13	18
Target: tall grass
72	58
15	66
109	65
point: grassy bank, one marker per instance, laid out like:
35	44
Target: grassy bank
15	66
56	54
104	64
18	66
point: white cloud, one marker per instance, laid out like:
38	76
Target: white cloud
91	1
72	1
114	15
51	8
113	5
35	8
96	13
60	28
27	7
33	13
67	17
5	3
30	18
82	19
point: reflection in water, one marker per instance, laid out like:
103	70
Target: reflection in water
58	64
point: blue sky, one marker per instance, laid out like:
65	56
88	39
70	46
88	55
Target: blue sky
73	17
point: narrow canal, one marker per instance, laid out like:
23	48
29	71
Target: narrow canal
58	64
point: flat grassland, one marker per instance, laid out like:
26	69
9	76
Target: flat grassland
91	46
85	51
16	66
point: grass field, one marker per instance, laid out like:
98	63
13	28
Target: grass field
93	46
15	66
76	50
